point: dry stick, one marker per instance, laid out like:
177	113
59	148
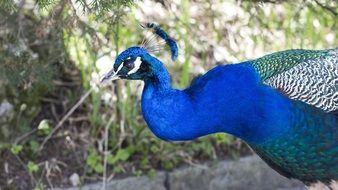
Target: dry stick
25	167
24	136
106	135
69	113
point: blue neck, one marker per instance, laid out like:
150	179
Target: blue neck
241	106
159	77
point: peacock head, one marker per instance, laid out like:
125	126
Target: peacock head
131	64
136	63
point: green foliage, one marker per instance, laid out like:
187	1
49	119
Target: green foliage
98	6
222	138
29	63
121	155
44	128
39	187
32	167
102	6
16	149
45	3
34	146
7	5
94	161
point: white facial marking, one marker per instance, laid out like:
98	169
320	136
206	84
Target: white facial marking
137	64
119	68
111	75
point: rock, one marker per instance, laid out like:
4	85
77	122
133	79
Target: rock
6	109
75	179
133	183
246	173
6	114
293	188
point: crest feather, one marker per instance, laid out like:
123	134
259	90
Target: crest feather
158	39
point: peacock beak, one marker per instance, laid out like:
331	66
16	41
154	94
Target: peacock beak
110	76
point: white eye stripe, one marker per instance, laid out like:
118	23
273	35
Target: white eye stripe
119	68
137	64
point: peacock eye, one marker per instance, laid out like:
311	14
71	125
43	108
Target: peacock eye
144	67
129	63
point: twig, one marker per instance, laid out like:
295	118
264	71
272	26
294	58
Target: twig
22	137
188	159
63	83
25	167
330	9
41	176
64	118
50	100
122	135
54	112
106	135
78	119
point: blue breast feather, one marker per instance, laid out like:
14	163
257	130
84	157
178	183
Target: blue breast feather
228	98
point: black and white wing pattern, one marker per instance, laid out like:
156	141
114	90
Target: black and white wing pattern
306	75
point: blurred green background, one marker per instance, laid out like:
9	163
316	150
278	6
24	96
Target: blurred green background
56	121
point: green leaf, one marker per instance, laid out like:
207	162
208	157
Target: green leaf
32	167
93	158
39	187
138	173
44	127
152	173
16	149
122	154
8	5
110	159
34	146
118	169
154	148
98	168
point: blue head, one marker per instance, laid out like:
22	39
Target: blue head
136	63
131	64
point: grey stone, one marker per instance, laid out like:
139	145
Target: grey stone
293	188
132	183
75	179
246	173
6	109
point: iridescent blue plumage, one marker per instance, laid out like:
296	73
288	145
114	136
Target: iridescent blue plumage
295	136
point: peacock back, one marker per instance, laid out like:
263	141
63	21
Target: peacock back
309	150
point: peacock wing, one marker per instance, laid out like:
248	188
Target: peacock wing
310	76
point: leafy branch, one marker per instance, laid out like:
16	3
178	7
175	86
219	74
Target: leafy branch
97	6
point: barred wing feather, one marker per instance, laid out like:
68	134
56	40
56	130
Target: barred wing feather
305	75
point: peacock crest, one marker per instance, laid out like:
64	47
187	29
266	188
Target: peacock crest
158	39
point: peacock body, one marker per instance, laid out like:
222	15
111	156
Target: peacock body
283	105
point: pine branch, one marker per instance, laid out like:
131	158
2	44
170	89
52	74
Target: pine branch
98	6
327	7
7	5
45	3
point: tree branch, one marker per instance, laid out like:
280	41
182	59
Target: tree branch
330	9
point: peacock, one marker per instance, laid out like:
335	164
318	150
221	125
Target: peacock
283	105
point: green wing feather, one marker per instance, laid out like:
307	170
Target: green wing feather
310	76
276	63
